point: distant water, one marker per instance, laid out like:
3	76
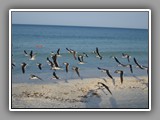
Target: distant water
43	39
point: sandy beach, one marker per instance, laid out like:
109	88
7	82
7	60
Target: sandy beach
133	93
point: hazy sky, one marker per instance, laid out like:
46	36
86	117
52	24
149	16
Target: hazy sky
99	19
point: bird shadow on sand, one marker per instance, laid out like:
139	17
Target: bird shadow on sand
113	102
92	99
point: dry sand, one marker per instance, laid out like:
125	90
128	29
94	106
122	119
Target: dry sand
133	93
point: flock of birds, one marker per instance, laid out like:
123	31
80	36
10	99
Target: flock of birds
53	63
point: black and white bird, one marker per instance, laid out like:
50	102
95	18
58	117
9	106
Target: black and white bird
39	66
73	52
32	56
76	69
55	63
23	67
55	76
124	55
105	86
105	71
25	53
116	59
121	74
97	53
13	65
66	66
34	77
58	52
141	66
85	54
80	59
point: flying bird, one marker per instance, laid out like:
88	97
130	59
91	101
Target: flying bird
67	66
105	86
105	71
121	74
23	66
58	52
55	76
124	55
73	52
34	77
97	53
32	56
25	53
76	69
80	59
39	66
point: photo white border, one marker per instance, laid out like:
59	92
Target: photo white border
76	10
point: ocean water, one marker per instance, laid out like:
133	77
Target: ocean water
43	39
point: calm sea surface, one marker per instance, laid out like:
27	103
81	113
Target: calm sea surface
43	39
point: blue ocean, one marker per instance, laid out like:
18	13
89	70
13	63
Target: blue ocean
43	39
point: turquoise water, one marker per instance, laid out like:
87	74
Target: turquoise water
43	39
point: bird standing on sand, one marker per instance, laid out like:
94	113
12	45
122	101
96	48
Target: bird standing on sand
121	74
23	66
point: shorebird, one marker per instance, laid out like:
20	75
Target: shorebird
140	66
34	77
13	65
67	66
119	63
73	52
25	53
85	55
58	52
32	56
124	55
97	53
76	69
55	76
23	66
105	71
55	65
39	66
105	86
80	59
121	74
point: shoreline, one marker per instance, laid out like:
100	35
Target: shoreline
133	93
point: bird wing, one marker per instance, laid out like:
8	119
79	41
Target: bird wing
77	72
23	69
58	51
121	76
74	55
54	74
131	68
117	61
106	87
137	63
109	74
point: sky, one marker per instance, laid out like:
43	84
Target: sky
95	19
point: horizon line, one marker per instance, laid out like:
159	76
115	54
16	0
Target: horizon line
77	26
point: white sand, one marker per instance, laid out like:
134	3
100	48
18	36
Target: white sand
133	93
